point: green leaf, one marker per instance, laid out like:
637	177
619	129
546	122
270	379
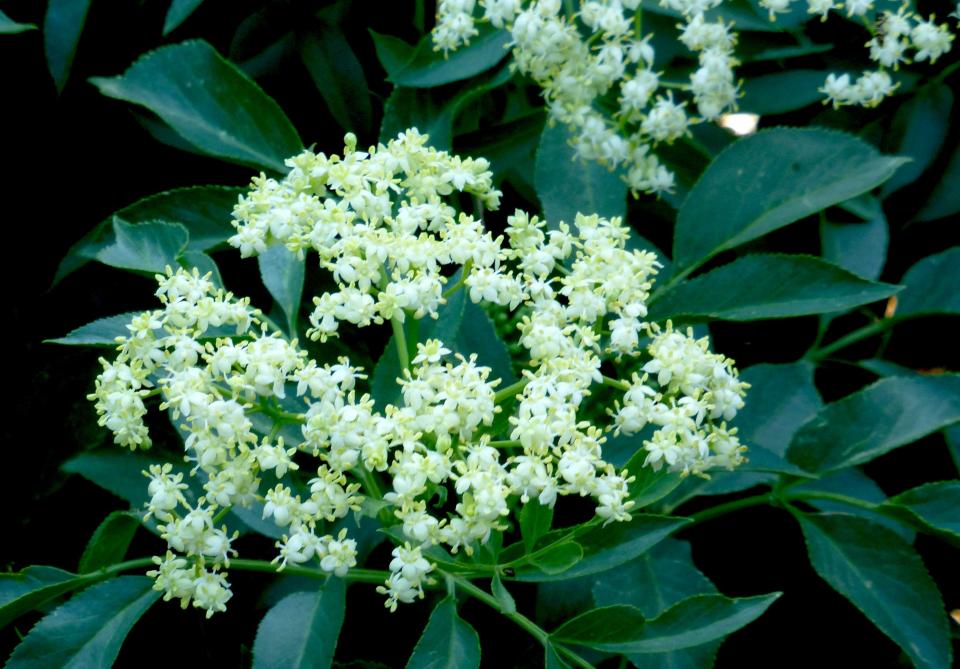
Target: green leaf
884	578
88	630
10	27
852	482
567	185
782	91
552	659
32	588
503	596
654	582
649	486
860	248
535	520
611	546
145	247
945	199
932	286
301	630
179	11
101	332
511	148
691	622
477	334
781	398
933	507
558	559
448	642
62	27
769	180
109	542
210	103
768	286
890	413
339	77
434	112
422	67
203	210
920	127
952	437
282	273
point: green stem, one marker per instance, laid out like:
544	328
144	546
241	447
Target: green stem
521	620
947	71
832	497
616	383
723	509
511	391
464	273
221	514
400	337
279	415
865	332
509	443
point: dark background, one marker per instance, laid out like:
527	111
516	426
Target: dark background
74	159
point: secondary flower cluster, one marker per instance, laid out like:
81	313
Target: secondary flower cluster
251	404
893	35
596	69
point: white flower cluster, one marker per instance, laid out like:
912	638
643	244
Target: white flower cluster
381	226
613	65
894	34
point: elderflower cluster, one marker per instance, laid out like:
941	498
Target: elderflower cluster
252	405
611	67
596	68
894	35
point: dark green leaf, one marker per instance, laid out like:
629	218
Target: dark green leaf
109	542
552	659
510	147
478	335
144	247
422	67
654	582
448	642
884	578
611	546
858	247
769	180
101	332
945	199
88	630
31	588
920	127
934	506
62	27
339	77
179	11
499	590
691	622
558	559
741	13
203	210
768	286
535	520
10	27
892	412
282	273
781	398
649	486
567	185
210	103
782	92
932	286
952	436
852	482
433	112
301	630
